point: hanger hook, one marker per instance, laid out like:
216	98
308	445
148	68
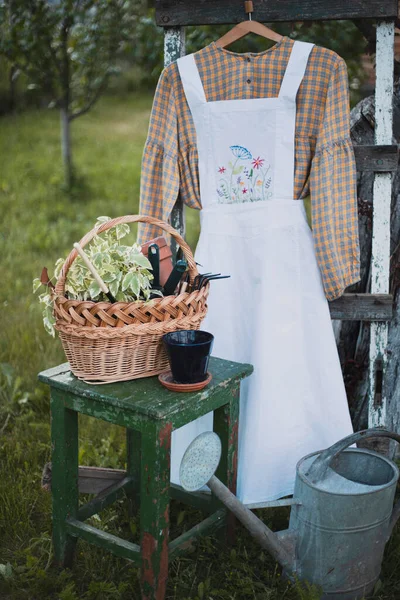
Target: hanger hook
248	7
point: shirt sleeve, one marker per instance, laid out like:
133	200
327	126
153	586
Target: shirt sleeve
169	165
333	190
159	185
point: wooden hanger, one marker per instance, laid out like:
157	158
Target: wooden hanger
245	27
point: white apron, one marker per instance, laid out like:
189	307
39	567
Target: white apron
272	313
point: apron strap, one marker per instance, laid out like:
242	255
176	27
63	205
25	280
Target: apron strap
295	70
286	120
191	81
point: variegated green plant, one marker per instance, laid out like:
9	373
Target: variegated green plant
125	270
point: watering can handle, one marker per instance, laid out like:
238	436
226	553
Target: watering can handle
320	466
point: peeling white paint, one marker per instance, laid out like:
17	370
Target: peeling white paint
174	44
174	48
381	215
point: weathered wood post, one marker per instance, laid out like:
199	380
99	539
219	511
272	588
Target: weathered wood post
377	413
353	337
174	48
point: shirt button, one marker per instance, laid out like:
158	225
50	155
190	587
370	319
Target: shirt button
249	81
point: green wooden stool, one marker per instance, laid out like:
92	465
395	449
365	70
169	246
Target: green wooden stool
150	413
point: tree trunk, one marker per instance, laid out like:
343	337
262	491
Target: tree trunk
11	88
66	147
65	100
353	337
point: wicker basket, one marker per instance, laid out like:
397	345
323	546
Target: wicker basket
107	342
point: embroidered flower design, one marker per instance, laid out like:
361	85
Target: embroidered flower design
252	178
257	162
241	152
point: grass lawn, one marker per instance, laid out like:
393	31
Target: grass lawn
39	223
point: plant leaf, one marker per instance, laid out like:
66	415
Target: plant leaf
133	527
127	280
109	277
135	286
101	220
200	590
141	260
70	288
98	259
36	285
58	267
94	290
122	230
49	326
108	268
113	287
6	571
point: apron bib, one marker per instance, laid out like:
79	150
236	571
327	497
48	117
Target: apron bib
272	312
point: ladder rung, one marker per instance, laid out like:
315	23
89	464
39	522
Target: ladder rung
362	307
376	158
170	13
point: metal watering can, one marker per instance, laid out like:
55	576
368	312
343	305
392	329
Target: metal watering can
342	512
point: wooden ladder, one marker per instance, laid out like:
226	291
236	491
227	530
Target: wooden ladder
382	158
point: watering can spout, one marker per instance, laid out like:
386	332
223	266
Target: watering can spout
280	545
197	469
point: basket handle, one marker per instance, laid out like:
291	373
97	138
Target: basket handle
60	285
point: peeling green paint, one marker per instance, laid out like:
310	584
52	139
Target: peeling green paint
150	413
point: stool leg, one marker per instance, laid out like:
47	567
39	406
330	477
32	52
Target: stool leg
133	450
64	474
226	425
154	509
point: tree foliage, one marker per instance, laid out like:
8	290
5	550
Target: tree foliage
67	48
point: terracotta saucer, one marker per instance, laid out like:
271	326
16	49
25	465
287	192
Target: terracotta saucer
166	380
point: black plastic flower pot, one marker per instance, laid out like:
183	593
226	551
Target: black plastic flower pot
189	354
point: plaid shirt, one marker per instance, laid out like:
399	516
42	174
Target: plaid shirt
324	159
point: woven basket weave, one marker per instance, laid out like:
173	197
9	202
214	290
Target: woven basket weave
107	342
